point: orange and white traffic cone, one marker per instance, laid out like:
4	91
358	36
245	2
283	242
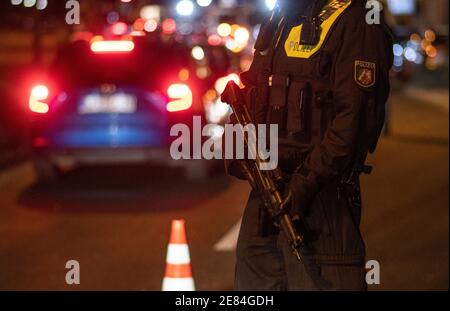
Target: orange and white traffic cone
178	275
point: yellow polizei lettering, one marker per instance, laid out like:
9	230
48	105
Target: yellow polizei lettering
329	15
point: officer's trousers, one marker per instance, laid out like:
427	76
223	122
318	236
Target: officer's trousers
267	264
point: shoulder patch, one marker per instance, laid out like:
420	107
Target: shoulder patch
329	15
365	73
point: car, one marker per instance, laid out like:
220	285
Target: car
106	101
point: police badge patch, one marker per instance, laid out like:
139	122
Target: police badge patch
365	73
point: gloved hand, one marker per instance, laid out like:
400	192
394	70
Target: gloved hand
302	191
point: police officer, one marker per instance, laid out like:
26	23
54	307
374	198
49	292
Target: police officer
321	72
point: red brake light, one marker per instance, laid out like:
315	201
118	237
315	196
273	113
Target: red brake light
112	46
181	96
38	94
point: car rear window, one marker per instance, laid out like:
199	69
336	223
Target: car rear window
77	66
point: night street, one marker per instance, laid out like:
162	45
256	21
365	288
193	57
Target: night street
116	220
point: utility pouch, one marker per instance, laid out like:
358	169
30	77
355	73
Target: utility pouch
263	86
277	98
256	106
322	111
298	102
322	99
278	91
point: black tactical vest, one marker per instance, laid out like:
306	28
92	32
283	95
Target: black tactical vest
293	81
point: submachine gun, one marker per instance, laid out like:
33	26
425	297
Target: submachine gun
266	183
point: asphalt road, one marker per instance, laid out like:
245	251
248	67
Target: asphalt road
116	220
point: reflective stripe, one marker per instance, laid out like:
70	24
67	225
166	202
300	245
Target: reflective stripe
178	271
178	284
178	254
330	13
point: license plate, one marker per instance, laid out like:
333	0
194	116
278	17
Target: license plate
114	103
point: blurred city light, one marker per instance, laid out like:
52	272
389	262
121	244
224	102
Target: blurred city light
221	83
203	72
182	95
112	17
214	40
41	4
139	24
204	3
232	45
185	28
398	50
402	7
151	12
29	3
198	53
169	26
430	35
150	25
242	35
184	74
16	2
271	4
216	110
227	3
410	54
256	30
137	33
398	62
185	7
38	93
431	51
224	29
119	28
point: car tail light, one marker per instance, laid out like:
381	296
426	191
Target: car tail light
181	97
38	94
119	46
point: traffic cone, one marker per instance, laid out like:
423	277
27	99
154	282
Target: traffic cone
178	275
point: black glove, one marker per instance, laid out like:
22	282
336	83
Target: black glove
302	191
